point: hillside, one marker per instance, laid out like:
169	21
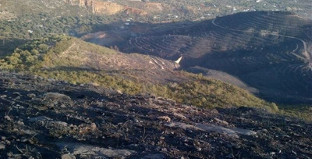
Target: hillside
53	119
157	11
269	51
78	62
110	8
155	79
31	19
177	10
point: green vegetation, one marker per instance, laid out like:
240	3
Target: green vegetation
302	112
29	55
95	78
182	10
40	57
202	92
212	93
36	19
29	19
39	53
31	26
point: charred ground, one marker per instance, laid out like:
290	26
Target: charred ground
50	119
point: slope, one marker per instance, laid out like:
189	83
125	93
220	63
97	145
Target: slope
78	62
269	51
53	119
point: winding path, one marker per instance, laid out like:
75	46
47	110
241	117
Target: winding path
305	52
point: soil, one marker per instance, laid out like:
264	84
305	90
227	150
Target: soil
53	119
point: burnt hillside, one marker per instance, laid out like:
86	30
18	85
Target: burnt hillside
53	119
269	51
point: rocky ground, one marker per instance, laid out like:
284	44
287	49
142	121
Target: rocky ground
51	119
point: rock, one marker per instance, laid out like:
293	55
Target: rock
179	115
119	91
68	156
165	118
20	123
93	127
7	118
16	94
8	142
95	152
24	140
198	148
2	146
221	122
9	154
41	120
212	128
136	120
164	150
57	99
214	111
51	80
31	95
293	152
264	130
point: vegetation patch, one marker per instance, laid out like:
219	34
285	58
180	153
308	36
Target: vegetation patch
302	112
40	57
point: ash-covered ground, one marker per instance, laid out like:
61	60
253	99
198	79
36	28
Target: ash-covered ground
52	119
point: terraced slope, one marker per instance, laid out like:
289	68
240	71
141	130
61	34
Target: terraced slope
270	51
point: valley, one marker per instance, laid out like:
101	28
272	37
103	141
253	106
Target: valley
267	53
